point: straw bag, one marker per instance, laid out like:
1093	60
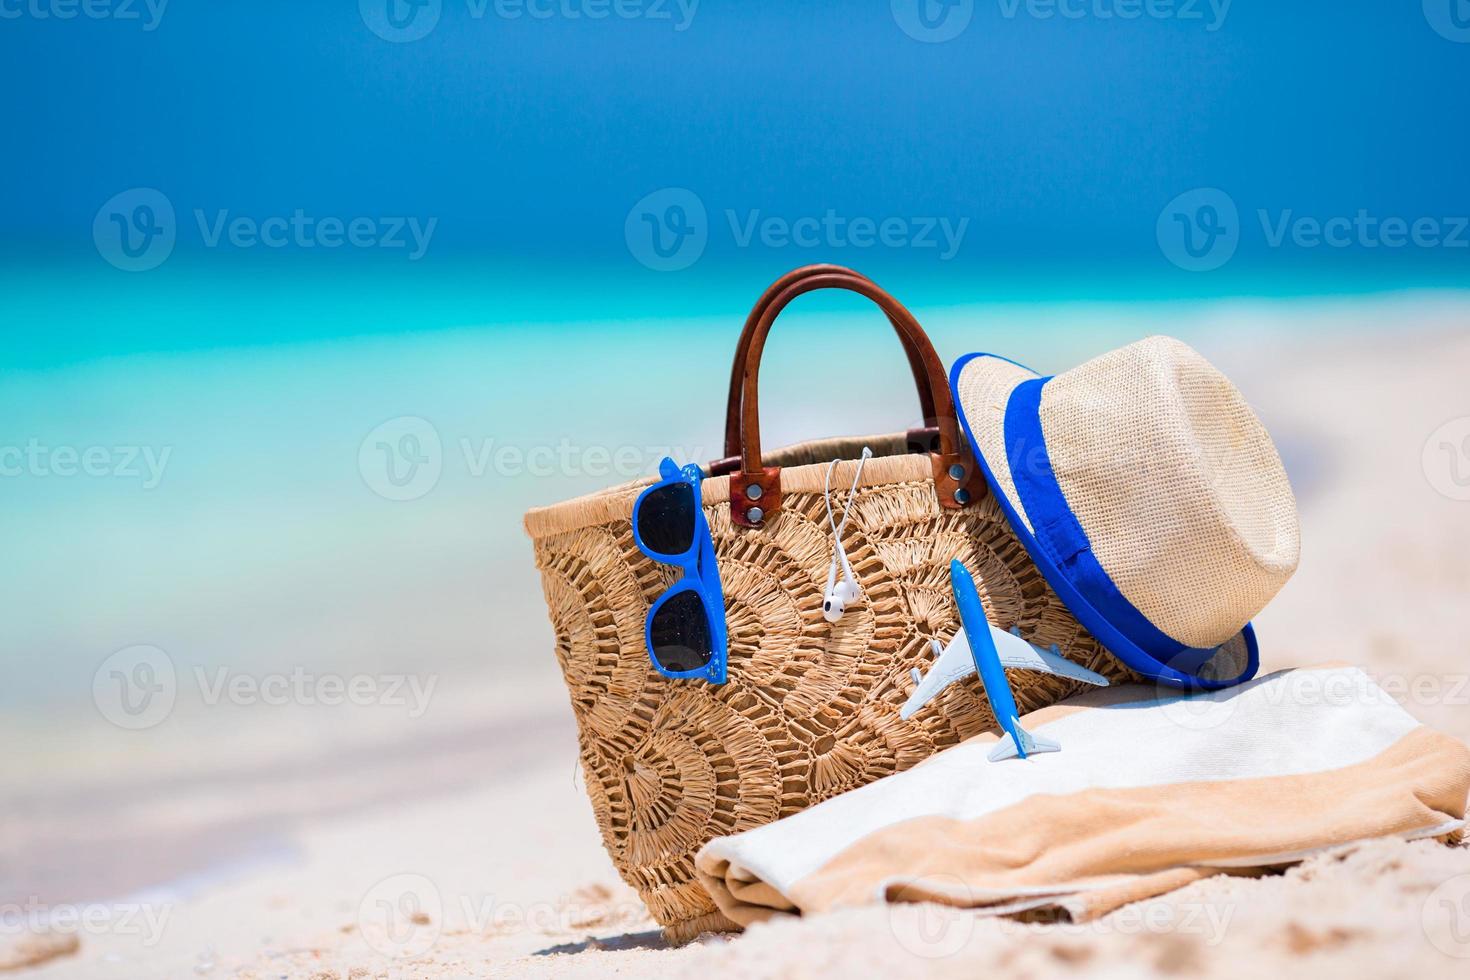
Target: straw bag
810	708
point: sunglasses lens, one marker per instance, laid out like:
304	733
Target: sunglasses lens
679	634
666	519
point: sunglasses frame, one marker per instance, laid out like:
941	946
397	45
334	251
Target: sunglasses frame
701	575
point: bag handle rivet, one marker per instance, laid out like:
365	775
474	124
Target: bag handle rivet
962	496
957	472
753	492
754	515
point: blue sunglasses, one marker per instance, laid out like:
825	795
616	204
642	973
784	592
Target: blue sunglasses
685	629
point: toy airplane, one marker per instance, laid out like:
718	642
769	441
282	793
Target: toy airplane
995	651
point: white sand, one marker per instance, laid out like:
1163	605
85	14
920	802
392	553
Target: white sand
501	852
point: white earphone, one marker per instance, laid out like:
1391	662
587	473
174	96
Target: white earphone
839	594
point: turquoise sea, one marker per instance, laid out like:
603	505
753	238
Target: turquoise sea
196	457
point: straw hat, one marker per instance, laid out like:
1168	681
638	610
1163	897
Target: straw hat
1149	496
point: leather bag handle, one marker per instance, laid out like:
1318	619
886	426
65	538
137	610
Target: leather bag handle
755	490
737	366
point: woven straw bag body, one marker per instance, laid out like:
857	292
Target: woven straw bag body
810	708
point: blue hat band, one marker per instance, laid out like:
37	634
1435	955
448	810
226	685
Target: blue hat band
1065	544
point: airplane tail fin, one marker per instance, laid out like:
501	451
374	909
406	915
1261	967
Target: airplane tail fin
1030	745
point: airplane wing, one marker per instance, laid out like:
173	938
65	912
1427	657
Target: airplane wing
954	662
1017	653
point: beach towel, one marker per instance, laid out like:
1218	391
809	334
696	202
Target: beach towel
1152	790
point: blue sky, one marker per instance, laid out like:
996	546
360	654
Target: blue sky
1045	151
1061	137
